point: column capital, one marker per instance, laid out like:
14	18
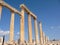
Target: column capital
40	22
32	16
35	18
11	10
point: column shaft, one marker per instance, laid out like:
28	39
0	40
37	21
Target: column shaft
44	38
29	29
12	27
0	11
36	31
22	26
41	34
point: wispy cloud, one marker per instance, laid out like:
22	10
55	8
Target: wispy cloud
18	33
52	27
3	32
59	27
55	27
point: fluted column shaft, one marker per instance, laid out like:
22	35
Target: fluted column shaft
12	27
22	26
29	29
0	11
41	34
36	31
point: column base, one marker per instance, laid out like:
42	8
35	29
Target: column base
11	43
21	43
37	44
30	44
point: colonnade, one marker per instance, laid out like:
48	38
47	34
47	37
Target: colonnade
30	15
21	14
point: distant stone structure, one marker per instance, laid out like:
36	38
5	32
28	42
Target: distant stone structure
43	38
51	42
1	40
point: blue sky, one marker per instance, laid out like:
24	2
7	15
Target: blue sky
47	11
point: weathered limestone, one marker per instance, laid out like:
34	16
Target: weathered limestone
28	11
0	11
12	27
29	29
36	31
9	7
22	26
41	33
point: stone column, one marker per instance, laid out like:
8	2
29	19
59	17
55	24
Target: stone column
48	38
41	33
0	11
29	29
22	26
36	31
44	38
12	27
